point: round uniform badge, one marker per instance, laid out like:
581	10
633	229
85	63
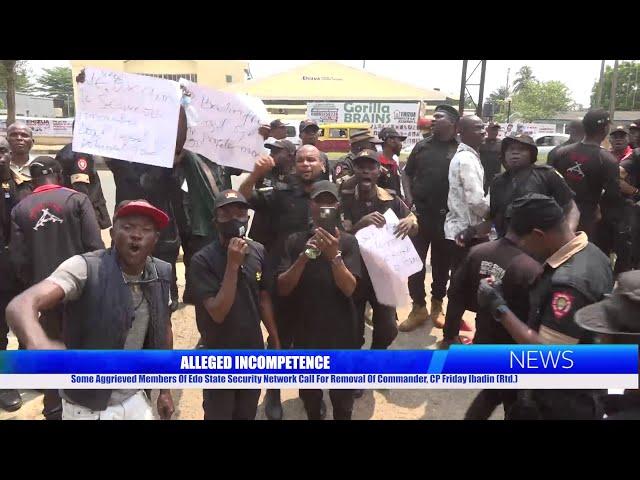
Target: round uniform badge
82	164
561	304
338	169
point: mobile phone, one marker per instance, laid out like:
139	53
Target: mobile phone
328	219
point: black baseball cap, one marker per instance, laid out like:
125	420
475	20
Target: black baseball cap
308	123
619	130
368	154
449	110
523	139
533	211
277	124
229	196
282	144
43	166
389	132
618	313
324	186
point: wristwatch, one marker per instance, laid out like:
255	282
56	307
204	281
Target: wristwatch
337	259
501	310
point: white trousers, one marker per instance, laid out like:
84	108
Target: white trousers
136	407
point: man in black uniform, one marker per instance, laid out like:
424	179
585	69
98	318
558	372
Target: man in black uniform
504	261
628	244
79	172
489	152
283	153
288	205
231	292
10	400
20	138
318	276
616	320
359	141
48	227
523	176
576	274
362	206
589	169
426	186
576	134
309	135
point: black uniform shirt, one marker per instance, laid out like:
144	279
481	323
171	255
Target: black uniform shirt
288	207
323	316
354	208
80	168
428	169
630	170
241	327
489	151
508	186
503	260
554	303
588	169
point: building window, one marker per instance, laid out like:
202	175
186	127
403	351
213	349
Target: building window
192	77
229	78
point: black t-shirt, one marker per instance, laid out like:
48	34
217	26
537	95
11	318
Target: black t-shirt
353	209
241	327
503	260
323	316
288	208
631	165
508	186
428	169
262	228
588	170
489	151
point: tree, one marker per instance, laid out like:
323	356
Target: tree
57	83
627	96
498	98
540	100
14	76
524	77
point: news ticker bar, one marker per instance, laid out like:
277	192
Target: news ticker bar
460	367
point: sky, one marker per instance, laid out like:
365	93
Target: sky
578	75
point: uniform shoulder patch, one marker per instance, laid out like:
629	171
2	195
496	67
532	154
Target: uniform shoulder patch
82	164
561	304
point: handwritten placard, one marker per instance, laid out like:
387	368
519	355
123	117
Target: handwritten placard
128	117
389	260
224	126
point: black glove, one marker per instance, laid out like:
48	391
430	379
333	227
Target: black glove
490	296
467	235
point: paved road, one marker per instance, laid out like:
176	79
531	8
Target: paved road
378	405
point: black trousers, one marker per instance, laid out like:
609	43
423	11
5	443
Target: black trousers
385	329
5	298
431	234
51	322
487	401
341	400
230	404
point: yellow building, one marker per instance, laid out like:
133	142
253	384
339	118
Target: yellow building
208	73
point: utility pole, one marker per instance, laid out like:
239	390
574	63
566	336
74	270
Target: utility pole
481	92
614	86
463	86
600	86
364	62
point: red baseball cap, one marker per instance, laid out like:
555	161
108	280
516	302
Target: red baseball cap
142	207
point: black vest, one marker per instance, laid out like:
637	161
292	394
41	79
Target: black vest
101	318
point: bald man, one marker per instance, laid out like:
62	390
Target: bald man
20	138
288	205
468	206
